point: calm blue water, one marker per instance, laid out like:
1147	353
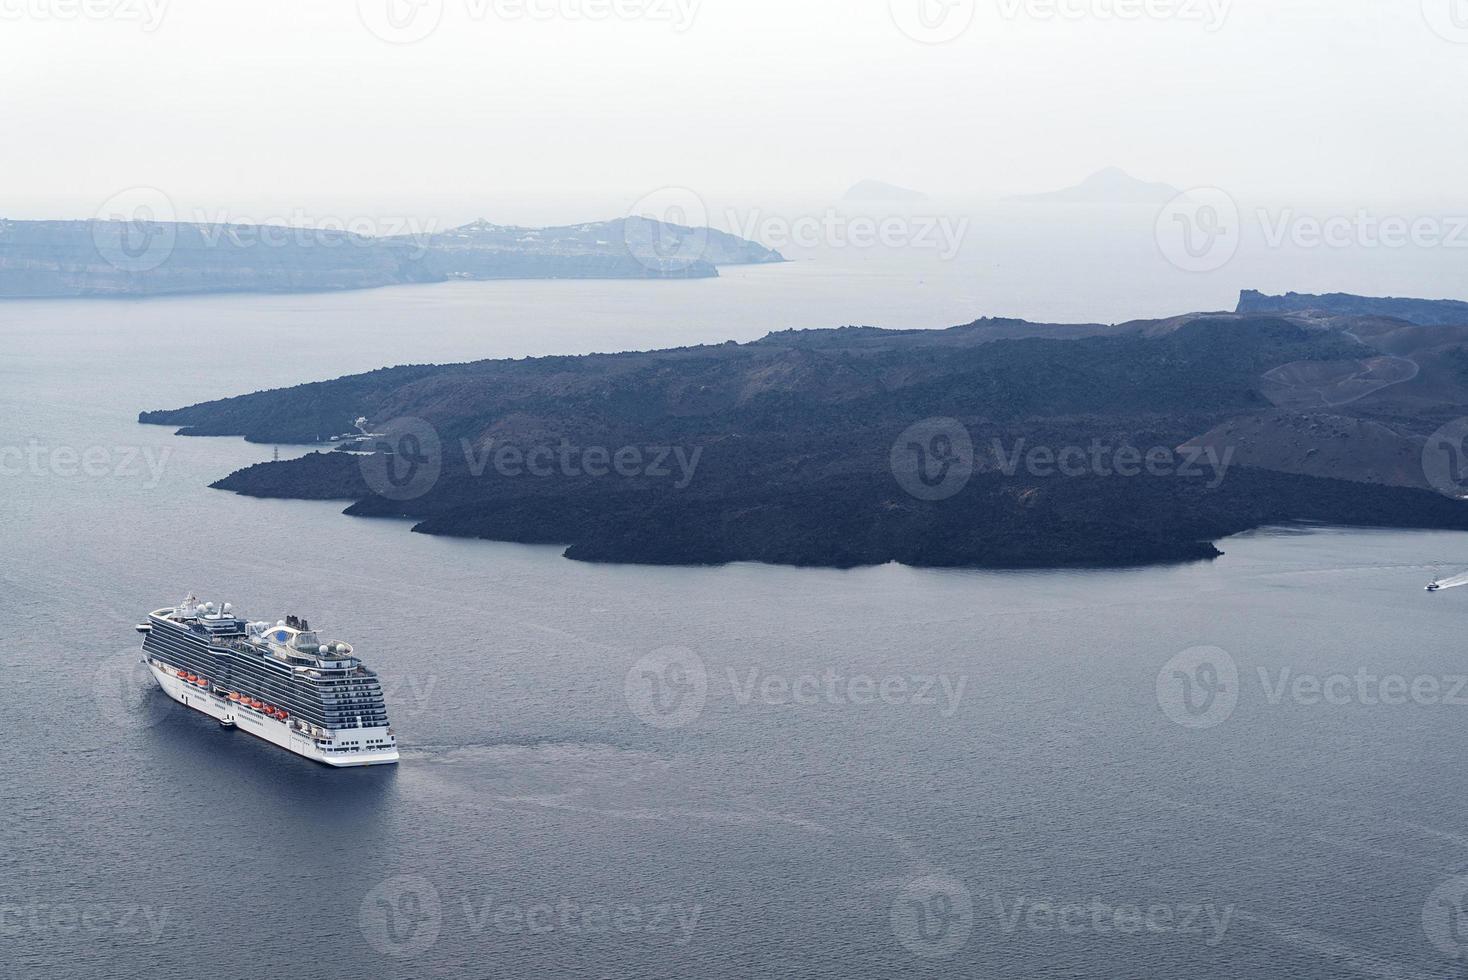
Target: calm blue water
1035	813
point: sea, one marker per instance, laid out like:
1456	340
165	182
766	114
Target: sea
1246	768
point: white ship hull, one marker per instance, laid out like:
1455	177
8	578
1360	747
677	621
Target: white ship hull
273	730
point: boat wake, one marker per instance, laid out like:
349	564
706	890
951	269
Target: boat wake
1453	581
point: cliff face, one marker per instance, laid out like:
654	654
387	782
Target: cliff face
135	258
1424	312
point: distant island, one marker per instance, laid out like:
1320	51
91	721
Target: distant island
1109	186
876	190
1424	312
851	446
137	258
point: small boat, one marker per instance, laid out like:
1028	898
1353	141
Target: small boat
1433	586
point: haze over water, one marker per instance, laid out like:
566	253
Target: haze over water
761	838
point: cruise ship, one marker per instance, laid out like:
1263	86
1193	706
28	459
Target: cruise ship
281	682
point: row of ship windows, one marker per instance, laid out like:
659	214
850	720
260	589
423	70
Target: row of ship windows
330	709
354	684
256	687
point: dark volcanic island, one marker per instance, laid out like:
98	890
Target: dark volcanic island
1000	443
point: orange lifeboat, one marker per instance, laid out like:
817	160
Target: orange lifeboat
235	698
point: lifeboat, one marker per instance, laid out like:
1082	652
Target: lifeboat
235	698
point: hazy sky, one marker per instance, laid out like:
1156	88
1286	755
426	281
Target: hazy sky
511	106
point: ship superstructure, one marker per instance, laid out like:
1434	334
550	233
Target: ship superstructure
281	682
